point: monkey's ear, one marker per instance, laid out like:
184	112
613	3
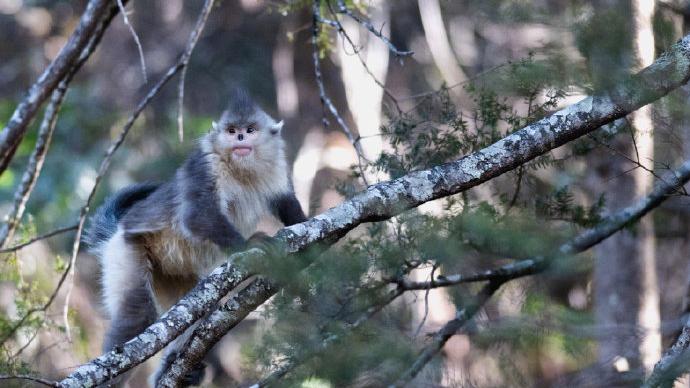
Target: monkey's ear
276	128
214	125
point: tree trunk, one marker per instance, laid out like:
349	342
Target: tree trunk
626	292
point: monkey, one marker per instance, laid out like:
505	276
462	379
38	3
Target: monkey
156	241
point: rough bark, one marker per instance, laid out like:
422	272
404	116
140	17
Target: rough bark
387	199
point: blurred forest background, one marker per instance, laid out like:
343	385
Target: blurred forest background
479	71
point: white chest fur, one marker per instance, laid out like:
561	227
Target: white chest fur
245	196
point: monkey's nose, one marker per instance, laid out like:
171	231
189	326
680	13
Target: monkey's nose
240	137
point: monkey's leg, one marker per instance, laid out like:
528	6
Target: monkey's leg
193	377
126	293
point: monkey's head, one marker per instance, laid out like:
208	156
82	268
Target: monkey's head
245	134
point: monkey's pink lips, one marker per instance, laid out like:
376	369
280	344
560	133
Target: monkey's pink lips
241	151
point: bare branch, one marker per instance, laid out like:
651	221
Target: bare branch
674	363
14	131
448	330
191	43
38	380
212	328
50	234
386	199
136	39
325	100
33	169
341	30
342	8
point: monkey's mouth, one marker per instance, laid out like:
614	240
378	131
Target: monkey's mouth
241	151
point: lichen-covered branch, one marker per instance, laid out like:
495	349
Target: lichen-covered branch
496	277
13	133
674	363
607	227
386	199
212	328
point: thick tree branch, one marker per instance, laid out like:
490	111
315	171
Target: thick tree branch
14	131
386	199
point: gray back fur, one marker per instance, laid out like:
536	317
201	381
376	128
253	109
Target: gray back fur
103	223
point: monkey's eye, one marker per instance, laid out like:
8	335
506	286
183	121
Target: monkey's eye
251	129
231	130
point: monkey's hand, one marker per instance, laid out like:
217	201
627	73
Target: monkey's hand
272	246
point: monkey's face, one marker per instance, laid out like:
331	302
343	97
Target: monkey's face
239	140
245	142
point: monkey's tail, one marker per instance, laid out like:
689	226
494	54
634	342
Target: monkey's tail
103	224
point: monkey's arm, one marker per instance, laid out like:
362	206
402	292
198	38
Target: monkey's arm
213	226
201	209
287	208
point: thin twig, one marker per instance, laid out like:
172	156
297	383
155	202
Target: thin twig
342	8
193	38
325	100
426	304
136	39
38	380
39	238
346	37
448	330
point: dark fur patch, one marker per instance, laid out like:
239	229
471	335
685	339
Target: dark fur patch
103	223
203	216
154	213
